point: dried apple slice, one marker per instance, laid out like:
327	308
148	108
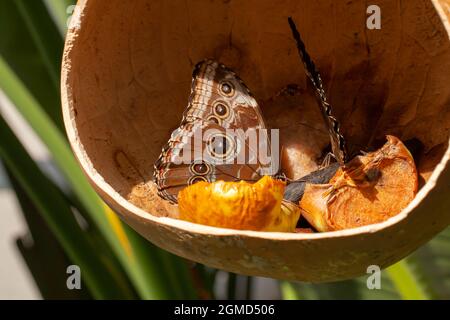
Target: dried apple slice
370	189
239	205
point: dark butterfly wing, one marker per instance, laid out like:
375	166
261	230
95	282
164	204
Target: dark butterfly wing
295	189
202	148
337	140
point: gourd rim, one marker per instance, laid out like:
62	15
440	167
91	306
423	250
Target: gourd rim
95	177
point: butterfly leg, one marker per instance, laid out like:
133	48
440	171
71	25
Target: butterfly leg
327	160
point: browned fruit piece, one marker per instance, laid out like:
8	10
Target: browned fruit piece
371	189
295	113
239	205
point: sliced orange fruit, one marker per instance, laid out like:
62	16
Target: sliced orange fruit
370	189
239	205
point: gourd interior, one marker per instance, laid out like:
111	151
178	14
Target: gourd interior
127	75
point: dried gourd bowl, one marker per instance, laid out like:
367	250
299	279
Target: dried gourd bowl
126	80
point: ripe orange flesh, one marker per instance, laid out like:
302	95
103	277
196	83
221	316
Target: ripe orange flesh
239	205
371	189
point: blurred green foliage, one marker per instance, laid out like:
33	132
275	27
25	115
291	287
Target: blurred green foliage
116	261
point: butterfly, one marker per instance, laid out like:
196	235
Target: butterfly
338	145
220	101
202	148
295	189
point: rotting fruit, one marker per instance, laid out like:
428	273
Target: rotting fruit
239	205
369	189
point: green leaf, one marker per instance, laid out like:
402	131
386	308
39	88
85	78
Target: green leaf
423	275
180	277
38	247
59	217
32	26
355	289
431	264
45	35
18	49
61	11
138	257
407	281
289	291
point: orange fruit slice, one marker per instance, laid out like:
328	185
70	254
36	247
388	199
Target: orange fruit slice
370	189
239	205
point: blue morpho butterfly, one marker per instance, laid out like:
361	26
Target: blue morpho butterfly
201	148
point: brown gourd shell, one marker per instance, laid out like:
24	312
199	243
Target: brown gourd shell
126	79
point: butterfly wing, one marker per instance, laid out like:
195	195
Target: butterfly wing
220	96
204	151
337	140
204	147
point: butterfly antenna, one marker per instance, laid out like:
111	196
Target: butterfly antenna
337	140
